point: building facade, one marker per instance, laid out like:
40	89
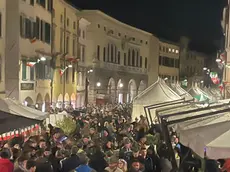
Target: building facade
169	54
191	62
117	59
70	43
226	29
25	71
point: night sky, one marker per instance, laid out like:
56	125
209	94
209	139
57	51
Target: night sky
168	19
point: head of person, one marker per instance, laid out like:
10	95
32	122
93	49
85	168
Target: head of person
122	164
31	166
136	165
22	161
5	153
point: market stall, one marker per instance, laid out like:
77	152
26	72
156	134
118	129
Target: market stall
157	93
180	91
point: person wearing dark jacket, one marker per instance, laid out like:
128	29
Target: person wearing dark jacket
5	164
72	162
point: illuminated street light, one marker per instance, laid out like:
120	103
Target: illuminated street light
121	85
201	82
205	68
218	60
166	79
91	70
43	58
70	65
185	80
98	84
208	70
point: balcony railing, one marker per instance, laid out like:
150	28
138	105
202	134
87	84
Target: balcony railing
117	67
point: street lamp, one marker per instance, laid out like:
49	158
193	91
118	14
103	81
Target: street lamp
205	68
218	60
165	78
121	85
70	65
43	58
90	71
98	84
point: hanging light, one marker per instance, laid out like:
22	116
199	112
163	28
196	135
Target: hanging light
121	85
205	68
70	65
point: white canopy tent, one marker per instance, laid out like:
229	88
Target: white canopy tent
14	107
180	91
199	95
158	92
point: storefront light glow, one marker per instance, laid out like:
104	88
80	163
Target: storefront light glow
43	58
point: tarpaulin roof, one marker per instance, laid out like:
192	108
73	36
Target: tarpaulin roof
158	92
14	107
180	91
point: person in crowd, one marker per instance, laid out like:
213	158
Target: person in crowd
84	167
31	166
5	164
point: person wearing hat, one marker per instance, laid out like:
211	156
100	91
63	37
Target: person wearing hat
113	164
126	152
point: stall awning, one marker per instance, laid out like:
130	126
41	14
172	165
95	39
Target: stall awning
14	107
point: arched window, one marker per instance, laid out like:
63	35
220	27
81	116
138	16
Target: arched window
137	59
133	58
129	58
115	54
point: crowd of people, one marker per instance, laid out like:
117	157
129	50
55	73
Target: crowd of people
105	139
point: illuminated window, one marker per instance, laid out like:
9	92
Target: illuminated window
177	51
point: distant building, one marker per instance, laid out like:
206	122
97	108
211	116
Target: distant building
226	29
191	62
121	57
169	54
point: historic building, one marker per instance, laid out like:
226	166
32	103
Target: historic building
70	42
25	44
118	59
169	54
226	48
191	63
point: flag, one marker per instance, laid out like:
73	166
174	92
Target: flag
223	56
62	71
33	40
30	64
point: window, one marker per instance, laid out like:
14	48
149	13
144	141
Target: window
28	27
37	28
61	18
98	52
31	2
108	58
141	61
73	73
133	58
74	25
146	42
141	41
119	57
79	52
41	30
137	59
177	51
47	33
50	5
119	34
125	59
32	72
61	40
104	28
67	22
74	46
24	67
129	58
111	53
98	26
115	55
104	54
67	44
0	69
146	62
42	3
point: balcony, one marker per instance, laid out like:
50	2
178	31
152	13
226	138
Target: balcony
121	68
